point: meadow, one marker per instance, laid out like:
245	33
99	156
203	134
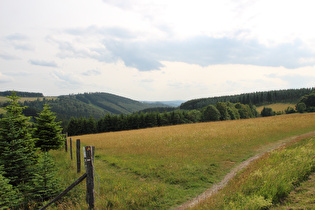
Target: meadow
278	107
268	181
164	167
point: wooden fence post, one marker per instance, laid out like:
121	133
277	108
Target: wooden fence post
78	157
71	149
66	144
90	193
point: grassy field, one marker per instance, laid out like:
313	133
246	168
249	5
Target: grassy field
166	166
276	107
270	179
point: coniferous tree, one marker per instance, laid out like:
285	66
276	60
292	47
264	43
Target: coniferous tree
16	146
44	183
9	197
47	131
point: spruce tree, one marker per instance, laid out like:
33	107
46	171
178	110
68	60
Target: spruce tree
47	131
17	148
44	183
9	197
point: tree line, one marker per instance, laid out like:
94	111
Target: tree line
111	122
21	94
255	98
27	171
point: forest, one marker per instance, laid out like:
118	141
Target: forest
256	98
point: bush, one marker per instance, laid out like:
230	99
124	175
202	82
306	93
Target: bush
290	110
267	112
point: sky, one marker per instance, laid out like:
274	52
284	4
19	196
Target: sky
151	50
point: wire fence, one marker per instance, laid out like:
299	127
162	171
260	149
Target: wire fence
32	194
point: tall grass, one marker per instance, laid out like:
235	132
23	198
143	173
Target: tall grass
166	166
269	180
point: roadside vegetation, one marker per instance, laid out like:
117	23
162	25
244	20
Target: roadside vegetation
269	180
302	197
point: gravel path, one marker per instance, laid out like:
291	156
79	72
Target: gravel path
216	187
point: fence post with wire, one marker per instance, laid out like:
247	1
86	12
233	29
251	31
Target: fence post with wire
89	175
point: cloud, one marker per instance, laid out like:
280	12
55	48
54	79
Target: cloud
5	79
67	79
114	44
295	80
6	56
20	42
206	51
91	73
43	63
16	36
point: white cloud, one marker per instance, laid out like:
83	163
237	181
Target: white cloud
43	63
5	79
157	50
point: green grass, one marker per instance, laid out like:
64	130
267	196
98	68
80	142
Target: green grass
164	167
302	197
269	180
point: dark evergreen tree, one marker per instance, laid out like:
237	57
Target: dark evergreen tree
16	147
47	131
9	197
45	184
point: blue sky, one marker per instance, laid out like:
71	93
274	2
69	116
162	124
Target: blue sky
156	50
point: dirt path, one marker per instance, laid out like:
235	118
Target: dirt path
216	187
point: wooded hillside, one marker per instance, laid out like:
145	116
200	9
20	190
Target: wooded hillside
256	98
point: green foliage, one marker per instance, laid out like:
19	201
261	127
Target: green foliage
266	112
44	182
223	109
301	107
9	196
211	113
24	177
47	131
16	144
306	103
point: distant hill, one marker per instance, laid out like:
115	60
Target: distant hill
176	103
114	104
82	105
256	98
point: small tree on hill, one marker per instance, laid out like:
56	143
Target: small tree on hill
47	131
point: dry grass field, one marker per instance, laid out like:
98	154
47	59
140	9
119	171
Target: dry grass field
276	107
164	167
